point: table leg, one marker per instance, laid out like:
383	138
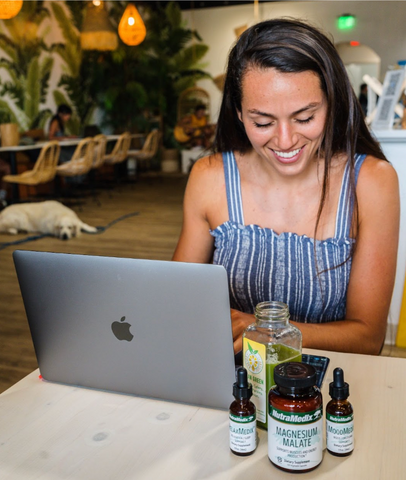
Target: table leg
15	192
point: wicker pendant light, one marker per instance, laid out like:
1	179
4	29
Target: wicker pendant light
97	32
131	28
10	8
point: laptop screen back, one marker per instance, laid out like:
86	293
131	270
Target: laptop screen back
145	327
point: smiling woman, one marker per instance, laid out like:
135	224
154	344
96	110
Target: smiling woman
297	202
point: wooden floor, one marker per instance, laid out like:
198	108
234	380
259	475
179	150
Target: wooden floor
152	234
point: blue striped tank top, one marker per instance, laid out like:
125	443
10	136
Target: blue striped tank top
262	265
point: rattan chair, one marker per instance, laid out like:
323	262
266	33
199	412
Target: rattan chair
148	150
190	98
81	161
76	169
44	170
99	151
120	150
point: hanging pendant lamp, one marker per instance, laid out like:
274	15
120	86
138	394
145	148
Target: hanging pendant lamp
97	32
10	8
131	28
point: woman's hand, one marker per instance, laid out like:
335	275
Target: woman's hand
239	322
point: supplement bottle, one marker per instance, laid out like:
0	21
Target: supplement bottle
339	418
243	425
266	343
295	421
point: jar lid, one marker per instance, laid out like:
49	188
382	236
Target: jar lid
295	375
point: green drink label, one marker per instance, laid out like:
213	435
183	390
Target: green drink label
260	361
295	440
254	359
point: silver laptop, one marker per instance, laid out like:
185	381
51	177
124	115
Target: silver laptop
144	327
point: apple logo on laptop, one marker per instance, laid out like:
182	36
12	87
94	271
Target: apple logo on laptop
121	330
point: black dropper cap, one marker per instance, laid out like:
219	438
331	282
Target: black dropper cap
241	388
339	390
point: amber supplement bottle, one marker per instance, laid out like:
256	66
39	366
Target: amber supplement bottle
295	419
243	425
339	418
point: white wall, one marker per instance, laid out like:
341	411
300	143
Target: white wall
394	147
380	25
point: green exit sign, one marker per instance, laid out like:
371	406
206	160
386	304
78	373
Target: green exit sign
346	22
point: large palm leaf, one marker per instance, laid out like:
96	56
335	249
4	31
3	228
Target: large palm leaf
29	77
70	51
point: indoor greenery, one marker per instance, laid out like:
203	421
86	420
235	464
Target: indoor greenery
29	74
79	67
133	86
143	83
174	63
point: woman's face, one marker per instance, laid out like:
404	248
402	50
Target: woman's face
284	115
65	117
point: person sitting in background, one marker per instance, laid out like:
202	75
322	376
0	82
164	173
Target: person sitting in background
193	130
298	202
56	131
57	125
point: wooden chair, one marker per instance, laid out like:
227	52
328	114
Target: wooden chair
44	169
190	98
148	150
186	132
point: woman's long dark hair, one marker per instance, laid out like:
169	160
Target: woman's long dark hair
292	46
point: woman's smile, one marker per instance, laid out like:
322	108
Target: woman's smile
288	157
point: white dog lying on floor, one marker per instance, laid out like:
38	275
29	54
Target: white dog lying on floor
48	217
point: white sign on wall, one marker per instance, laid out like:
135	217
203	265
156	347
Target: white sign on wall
391	90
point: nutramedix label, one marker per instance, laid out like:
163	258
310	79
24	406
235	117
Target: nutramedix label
295	440
340	433
242	433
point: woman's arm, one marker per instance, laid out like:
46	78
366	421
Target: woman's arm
195	242
372	273
373	267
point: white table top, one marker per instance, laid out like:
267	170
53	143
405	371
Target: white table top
390	136
50	432
67	142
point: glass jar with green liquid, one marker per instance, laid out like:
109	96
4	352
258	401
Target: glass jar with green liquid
268	342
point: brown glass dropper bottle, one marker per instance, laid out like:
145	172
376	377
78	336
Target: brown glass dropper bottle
243	431
339	418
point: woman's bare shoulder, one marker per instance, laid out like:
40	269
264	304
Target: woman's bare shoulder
377	187
207	169
377	173
210	162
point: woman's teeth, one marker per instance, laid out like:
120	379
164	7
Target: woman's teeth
287	154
